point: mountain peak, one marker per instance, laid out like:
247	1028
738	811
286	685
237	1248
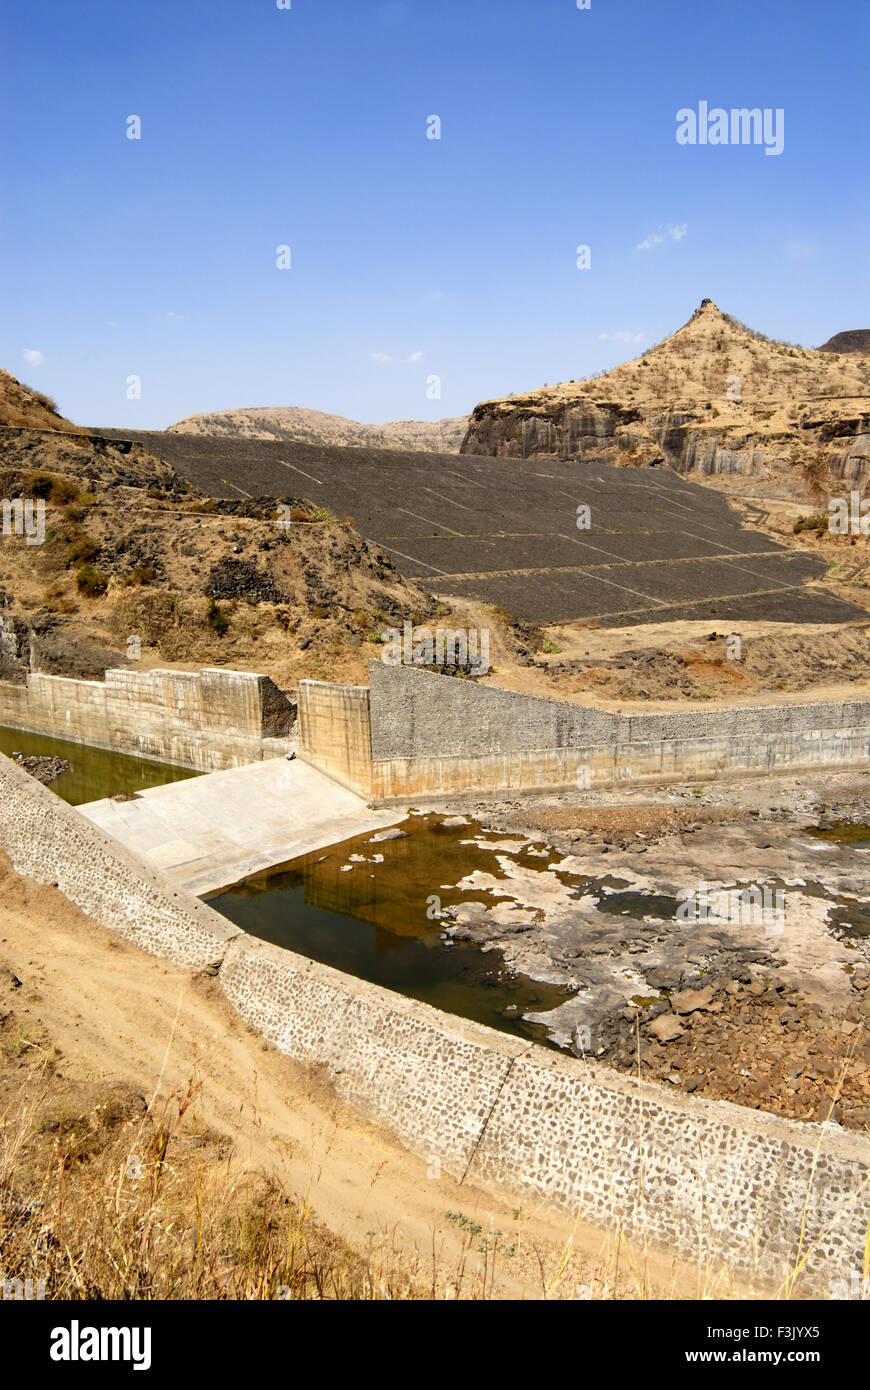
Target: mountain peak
722	377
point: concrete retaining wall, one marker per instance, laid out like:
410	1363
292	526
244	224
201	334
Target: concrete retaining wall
207	720
697	1178
335	732
434	736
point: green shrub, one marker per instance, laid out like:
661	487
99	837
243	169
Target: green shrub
817	522
81	552
217	618
91	582
51	489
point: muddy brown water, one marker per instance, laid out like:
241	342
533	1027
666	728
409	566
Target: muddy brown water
842	833
379	921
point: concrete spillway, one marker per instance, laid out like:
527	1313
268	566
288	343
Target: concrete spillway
211	831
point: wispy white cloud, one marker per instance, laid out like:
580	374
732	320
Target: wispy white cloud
674	231
385	357
33	356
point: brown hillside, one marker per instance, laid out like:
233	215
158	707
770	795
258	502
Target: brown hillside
296	425
133	549
29	409
714	398
852	340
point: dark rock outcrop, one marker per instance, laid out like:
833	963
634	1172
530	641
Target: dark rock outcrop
852	340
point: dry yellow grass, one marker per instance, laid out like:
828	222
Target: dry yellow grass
25	408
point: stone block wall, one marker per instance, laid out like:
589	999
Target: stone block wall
53	843
436	736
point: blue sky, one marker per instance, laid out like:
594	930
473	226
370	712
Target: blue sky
410	257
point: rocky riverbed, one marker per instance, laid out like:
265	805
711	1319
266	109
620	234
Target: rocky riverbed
709	938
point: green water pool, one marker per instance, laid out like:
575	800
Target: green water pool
94	773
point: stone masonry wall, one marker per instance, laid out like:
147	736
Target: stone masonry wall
53	843
699	1178
435	736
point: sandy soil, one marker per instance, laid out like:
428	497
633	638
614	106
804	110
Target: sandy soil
116	1013
685	664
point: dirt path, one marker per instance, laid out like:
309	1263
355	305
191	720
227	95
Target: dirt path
116	1013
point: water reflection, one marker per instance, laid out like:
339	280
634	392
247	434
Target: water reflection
94	773
377	919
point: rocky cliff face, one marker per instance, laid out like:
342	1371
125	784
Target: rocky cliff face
714	398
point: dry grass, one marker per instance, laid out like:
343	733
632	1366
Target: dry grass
132	1201
111	1191
23	407
107	1196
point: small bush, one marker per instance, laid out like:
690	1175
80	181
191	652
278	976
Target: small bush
91	582
142	574
64	490
52	489
217	618
81	552
818	521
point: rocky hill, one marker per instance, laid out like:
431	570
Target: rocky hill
853	340
132	550
294	424
23	406
715	398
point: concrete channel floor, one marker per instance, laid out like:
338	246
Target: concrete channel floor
208	832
